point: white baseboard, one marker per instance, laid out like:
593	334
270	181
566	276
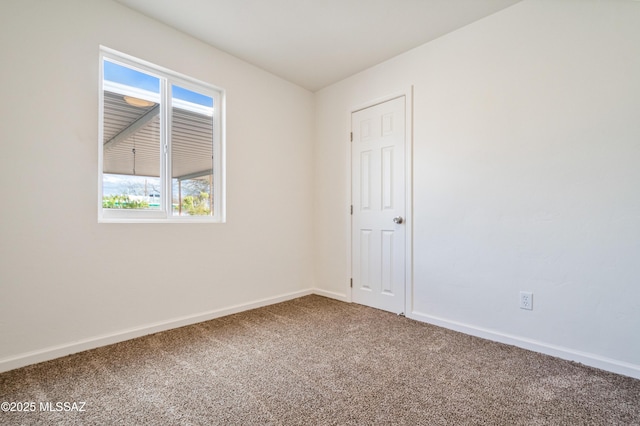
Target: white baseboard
592	360
331	295
58	351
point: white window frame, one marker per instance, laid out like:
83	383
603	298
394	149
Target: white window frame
167	79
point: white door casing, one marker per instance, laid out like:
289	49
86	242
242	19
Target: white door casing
378	198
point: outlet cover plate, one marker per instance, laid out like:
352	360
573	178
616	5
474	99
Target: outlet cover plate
526	300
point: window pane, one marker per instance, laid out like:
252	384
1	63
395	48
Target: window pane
131	144
130	192
161	144
191	153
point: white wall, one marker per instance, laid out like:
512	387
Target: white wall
526	177
65	279
526	153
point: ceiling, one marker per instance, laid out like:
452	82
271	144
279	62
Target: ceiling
132	140
315	43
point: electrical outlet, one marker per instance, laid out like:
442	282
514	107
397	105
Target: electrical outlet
526	300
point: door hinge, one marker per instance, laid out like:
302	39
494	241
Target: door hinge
351	209
351	283
351	137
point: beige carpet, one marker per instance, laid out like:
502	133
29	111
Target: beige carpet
318	361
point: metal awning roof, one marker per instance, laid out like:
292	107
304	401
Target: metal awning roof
128	127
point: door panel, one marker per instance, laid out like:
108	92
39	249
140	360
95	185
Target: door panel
378	196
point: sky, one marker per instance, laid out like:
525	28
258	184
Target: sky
132	185
147	185
130	77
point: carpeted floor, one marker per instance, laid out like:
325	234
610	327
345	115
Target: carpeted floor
316	361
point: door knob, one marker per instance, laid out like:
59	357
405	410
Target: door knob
398	219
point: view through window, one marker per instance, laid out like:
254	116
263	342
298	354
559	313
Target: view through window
161	148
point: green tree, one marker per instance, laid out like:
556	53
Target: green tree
122	202
196	205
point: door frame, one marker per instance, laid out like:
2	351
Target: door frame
408	218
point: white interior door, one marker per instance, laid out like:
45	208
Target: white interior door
378	203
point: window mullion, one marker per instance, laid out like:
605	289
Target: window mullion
218	160
165	111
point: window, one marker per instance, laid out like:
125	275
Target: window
161	144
